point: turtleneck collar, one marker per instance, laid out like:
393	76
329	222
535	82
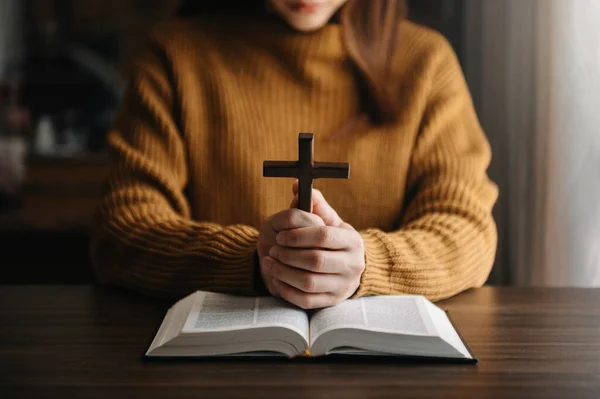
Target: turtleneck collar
314	59
317	57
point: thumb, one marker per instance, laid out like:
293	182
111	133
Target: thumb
320	207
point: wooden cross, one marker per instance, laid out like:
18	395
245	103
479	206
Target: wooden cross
306	170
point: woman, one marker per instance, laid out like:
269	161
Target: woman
230	84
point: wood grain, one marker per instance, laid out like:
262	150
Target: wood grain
84	341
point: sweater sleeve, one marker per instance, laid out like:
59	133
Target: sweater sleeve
143	237
447	238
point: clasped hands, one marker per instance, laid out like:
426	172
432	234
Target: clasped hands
312	260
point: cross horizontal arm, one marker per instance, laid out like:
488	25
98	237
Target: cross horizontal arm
280	169
328	170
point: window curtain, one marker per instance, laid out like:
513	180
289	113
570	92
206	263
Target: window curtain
534	70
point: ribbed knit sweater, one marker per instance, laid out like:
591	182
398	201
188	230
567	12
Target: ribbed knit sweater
210	99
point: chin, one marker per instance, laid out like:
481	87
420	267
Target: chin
307	28
307	25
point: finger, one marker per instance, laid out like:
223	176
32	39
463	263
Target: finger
294	203
302	299
294	219
271	286
325	237
265	271
303	280
266	240
272	289
320	207
312	260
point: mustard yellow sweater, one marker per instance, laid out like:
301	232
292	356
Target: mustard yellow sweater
210	100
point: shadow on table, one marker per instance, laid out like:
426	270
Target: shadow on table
331	359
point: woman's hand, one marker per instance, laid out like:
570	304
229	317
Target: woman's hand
316	266
288	219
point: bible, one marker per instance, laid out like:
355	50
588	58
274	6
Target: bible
206	324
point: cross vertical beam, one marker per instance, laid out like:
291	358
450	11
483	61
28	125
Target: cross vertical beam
306	153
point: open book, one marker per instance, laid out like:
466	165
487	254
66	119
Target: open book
209	324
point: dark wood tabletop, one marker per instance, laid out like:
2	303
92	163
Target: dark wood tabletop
88	342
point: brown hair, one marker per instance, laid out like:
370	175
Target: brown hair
371	36
370	29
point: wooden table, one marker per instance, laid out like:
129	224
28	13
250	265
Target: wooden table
88	342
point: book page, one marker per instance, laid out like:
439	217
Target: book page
220	312
399	314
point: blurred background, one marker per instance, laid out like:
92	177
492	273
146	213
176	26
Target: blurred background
533	67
